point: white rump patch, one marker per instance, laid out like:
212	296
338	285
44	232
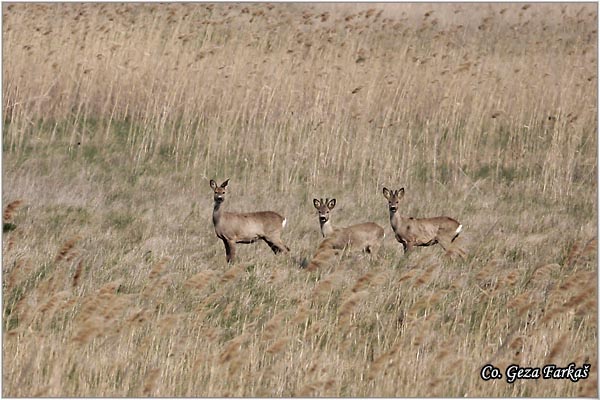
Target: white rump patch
459	229
285	222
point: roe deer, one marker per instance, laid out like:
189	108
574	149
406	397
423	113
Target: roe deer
366	236
234	228
420	231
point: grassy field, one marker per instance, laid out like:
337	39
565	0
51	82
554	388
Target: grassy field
115	118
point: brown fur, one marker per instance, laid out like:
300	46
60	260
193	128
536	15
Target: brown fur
366	236
234	228
411	232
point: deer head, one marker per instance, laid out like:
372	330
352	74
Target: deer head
324	207
393	197
219	191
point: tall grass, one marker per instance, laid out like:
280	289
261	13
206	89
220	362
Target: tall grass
115	116
290	94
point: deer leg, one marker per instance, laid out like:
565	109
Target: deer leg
276	245
229	250
444	243
374	249
272	245
407	247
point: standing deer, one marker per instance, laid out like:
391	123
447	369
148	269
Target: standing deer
234	228
420	231
366	236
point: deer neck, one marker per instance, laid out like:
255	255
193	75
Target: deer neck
217	212
397	217
326	228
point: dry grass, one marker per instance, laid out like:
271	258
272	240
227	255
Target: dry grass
116	117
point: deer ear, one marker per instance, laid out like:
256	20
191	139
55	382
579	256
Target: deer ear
401	193
213	184
331	204
224	184
316	203
386	193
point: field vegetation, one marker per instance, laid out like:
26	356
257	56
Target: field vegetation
116	116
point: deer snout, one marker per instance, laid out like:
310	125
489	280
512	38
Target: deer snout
322	218
393	208
219	198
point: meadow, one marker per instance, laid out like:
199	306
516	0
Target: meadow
116	116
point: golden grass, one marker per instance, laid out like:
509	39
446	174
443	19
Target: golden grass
117	115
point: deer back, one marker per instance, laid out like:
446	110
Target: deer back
365	233
249	226
423	230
